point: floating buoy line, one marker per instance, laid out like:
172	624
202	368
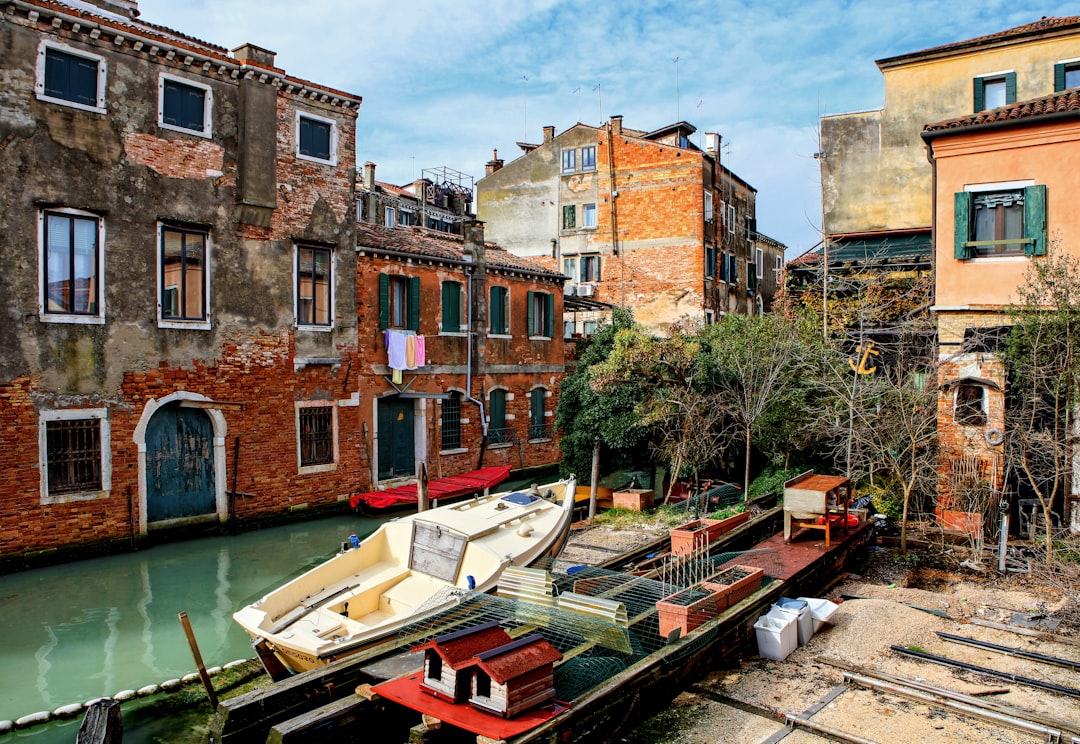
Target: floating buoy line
71	711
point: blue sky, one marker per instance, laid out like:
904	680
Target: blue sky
444	81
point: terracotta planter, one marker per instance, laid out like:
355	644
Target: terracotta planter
694	535
688	609
634	499
736	520
735	583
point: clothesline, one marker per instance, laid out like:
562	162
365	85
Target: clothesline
404	350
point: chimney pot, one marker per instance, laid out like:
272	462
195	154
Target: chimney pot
252	53
549	134
616	124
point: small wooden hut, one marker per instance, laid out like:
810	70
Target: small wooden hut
449	659
515	677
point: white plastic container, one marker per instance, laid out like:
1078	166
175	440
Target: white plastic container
803	621
776	635
821	610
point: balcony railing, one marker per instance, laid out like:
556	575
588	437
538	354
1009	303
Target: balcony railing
503	435
540	431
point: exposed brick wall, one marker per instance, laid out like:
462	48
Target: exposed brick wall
176	158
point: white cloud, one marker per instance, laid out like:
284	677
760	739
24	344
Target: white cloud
442	80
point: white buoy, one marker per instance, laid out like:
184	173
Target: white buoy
124	695
67	711
33	719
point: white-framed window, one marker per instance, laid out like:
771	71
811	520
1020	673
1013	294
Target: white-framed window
779	265
75	457
314	287
710	317
708	210
183	277
996	220
389	217
569	160
185	105
569	267
588	158
994	89
759	262
316	436
588	215
72	257
731	218
406	217
1066	75
316	138
70	77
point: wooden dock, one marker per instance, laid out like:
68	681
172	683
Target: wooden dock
322	703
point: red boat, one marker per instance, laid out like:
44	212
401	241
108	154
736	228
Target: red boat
443	490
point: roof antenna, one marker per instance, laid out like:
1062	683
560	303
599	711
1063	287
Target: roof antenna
526	79
678	113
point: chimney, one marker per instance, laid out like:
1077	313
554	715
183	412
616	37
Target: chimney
712	142
616	124
494	164
549	134
255	54
369	176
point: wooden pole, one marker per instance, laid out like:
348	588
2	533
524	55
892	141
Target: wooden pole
198	659
422	503
595	479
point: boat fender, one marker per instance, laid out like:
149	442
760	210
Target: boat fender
525	530
354	540
471	582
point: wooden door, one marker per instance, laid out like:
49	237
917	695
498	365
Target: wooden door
179	464
397	456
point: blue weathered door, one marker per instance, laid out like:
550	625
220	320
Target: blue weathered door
396	451
179	464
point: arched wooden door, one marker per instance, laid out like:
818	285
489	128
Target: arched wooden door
179	464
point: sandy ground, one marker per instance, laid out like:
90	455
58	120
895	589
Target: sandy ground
748	704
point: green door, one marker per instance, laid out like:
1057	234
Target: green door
396	445
179	464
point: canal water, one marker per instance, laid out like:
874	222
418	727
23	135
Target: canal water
90	629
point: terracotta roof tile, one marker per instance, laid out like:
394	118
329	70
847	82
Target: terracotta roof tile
1057	103
1035	27
419	241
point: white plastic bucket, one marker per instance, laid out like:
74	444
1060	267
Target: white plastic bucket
776	635
821	610
804	622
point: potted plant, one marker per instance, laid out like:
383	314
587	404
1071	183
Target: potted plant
735	583
687	609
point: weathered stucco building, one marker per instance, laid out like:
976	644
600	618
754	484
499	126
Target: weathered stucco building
1001	175
646	220
178	280
876	181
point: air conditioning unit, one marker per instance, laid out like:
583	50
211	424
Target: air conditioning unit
586	290
570	290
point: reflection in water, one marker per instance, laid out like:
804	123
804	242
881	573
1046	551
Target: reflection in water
93	628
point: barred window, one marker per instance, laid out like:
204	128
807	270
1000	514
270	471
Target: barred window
451	422
316	435
73	455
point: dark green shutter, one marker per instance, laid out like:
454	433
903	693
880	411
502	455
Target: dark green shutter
1010	88
549	315
495	309
451	307
1035	219
529	315
980	95
1059	77
414	304
537	412
964	203
751	276
497	412
384	302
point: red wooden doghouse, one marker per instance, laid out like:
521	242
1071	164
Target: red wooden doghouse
515	677
449	659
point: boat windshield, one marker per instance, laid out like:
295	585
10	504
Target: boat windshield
521	499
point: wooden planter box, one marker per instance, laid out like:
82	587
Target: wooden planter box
735	583
688	609
634	499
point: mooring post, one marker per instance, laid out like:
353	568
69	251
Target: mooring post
198	659
595	481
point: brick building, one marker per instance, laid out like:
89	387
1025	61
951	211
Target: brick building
646	220
1001	175
485	390
179	282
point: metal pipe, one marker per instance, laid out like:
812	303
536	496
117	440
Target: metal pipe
958	702
1011	651
468	357
986	670
794	721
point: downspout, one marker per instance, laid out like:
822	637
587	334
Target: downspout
468	365
933	218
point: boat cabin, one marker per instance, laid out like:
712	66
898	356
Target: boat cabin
515	677
449	659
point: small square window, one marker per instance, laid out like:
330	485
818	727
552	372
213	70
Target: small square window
74	446
569	160
994	91
70	77
588	215
998	216
316	435
588	158
1071	75
316	138
184	106
569	217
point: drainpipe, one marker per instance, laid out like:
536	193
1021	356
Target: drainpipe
470	257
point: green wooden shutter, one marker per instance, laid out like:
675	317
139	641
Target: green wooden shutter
384	302
1059	77
414	304
497	409
980	95
496	306
549	315
537	412
1010	88
964	208
529	314
1035	219
451	307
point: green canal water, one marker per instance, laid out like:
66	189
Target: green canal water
89	629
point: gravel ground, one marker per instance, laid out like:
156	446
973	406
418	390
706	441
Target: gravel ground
748	704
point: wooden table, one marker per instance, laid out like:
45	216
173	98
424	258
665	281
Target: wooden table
808	497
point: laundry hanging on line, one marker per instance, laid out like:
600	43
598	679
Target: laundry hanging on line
405	349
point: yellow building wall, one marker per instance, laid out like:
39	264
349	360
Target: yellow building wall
875	173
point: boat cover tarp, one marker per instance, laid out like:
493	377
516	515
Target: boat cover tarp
441	488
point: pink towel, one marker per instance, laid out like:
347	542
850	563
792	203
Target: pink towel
421	351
